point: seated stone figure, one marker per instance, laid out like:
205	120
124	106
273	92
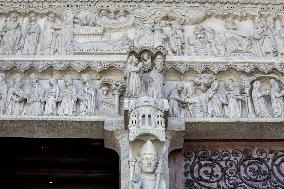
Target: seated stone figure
151	173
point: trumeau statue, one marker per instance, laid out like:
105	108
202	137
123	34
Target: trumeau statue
87	97
277	95
31	38
151	169
156	79
67	98
16	97
134	77
51	98
10	35
36	98
3	94
259	100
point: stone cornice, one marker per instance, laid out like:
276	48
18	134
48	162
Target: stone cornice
181	64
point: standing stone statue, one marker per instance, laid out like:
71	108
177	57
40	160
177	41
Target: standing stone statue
87	97
259	101
177	39
134	77
195	107
277	95
216	101
36	98
151	169
233	98
159	36
175	98
3	94
49	41
51	98
16	97
156	79
67	98
31	38
10	36
67	33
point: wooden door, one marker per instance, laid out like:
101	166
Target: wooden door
57	164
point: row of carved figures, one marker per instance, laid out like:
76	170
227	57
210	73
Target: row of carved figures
15	101
19	37
255	101
206	41
31	40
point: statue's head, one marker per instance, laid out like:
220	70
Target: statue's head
68	80
148	157
52	81
32	17
33	78
51	17
14	17
256	84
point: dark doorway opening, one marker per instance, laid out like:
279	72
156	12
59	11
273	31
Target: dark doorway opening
57	164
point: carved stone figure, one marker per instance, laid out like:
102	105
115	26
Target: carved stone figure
16	97
159	36
123	43
156	79
3	94
144	35
276	95
50	36
195	107
216	101
67	33
264	36
67	98
36	97
201	45
175	100
10	35
151	169
87	97
134	77
216	43
233	96
235	41
32	33
176	39
51	98
146	60
259	101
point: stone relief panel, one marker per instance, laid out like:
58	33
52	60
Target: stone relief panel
187	31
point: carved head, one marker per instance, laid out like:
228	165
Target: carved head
199	32
85	78
14	17
210	33
68	80
104	13
52	81
33	78
132	59
179	87
51	17
159	62
230	23
148	158
230	85
257	84
145	56
32	17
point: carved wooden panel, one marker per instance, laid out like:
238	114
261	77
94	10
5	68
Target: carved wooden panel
242	164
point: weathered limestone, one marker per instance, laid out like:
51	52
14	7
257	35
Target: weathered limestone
143	75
